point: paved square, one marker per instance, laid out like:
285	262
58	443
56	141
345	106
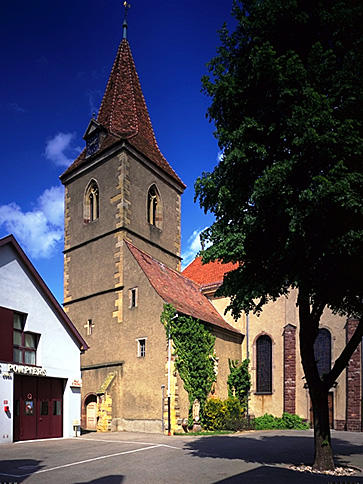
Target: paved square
253	457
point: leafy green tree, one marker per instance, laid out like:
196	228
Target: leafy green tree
286	100
194	348
239	381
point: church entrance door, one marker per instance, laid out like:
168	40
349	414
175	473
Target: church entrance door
91	412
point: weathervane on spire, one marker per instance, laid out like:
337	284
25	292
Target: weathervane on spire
124	25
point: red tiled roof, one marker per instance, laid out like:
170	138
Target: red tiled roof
124	114
211	273
181	292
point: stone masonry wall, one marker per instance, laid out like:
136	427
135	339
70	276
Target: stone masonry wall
354	380
289	368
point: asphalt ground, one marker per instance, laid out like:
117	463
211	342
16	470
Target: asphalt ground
125	457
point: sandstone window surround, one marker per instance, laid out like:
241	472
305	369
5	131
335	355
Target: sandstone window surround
91	205
154	207
264	365
141	347
89	327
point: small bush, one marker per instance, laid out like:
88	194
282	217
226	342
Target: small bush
225	415
288	421
293	421
214	414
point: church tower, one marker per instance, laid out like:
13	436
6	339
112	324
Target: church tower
120	189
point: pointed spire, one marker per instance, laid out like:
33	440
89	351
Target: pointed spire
124	24
123	112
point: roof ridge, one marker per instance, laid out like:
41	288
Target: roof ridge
40	283
178	273
180	291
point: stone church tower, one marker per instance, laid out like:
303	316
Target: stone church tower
119	189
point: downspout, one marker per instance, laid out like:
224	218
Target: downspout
169	375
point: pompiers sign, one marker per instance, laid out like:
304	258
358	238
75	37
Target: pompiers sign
27	370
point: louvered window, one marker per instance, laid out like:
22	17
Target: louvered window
322	351
264	364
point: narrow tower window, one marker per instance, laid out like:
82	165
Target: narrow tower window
91	203
154	211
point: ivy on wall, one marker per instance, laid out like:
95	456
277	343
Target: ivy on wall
239	381
193	349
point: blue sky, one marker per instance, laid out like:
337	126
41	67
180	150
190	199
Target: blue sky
56	59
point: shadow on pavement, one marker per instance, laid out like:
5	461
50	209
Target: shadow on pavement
18	470
104	480
278	475
269	449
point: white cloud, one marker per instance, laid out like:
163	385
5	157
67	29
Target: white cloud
193	247
220	156
39	230
51	203
56	149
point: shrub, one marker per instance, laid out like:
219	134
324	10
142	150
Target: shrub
214	414
293	421
288	421
225	415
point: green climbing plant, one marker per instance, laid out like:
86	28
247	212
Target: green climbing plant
193	349
239	381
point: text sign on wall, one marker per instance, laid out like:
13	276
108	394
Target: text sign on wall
27	370
76	383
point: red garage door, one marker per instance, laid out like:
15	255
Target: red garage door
38	407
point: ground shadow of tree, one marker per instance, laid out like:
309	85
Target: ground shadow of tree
283	449
277	475
104	480
17	470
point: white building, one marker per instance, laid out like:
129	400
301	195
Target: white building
40	378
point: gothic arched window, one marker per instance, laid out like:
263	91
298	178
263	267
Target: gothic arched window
91	202
154	210
264	364
322	351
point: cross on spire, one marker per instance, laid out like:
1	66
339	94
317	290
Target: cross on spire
124	25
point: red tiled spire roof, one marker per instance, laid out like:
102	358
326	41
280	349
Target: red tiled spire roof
205	274
185	295
124	114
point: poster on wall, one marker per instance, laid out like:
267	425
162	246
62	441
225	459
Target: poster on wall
29	407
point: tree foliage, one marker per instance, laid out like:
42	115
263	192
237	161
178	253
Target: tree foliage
194	348
239	381
286	95
286	99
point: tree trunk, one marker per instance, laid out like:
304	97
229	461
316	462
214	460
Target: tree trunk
323	456
309	326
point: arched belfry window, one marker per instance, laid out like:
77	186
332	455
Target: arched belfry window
264	364
91	202
322	351
154	209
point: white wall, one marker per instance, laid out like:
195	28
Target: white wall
57	350
6	393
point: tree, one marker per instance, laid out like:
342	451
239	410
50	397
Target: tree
193	345
286	100
239	381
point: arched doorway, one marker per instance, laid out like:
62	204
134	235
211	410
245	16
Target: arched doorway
90	405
